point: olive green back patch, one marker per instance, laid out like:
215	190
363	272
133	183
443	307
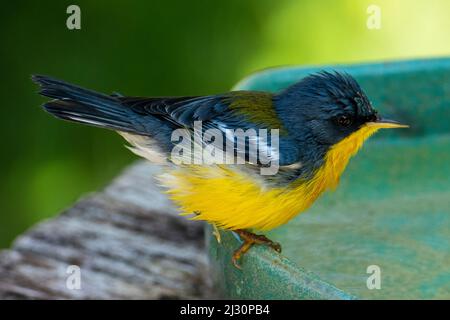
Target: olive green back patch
256	107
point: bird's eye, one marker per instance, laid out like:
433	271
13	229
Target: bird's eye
344	121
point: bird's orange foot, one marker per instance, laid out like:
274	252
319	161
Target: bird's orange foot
249	240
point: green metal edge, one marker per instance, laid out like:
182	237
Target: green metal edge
290	74
264	274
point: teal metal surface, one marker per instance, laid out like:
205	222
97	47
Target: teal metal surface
265	275
392	208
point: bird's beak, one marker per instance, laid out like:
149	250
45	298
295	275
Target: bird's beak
386	123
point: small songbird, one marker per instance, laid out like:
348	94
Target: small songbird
319	122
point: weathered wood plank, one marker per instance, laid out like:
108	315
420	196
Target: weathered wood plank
127	240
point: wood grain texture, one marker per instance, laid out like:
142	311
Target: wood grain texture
127	240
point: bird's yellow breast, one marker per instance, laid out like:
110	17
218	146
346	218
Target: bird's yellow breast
233	200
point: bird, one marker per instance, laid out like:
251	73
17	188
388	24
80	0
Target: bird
318	124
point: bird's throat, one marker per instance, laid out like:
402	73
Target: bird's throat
337	157
328	175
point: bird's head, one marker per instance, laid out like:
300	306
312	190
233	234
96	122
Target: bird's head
330	107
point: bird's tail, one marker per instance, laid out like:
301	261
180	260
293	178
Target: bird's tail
85	106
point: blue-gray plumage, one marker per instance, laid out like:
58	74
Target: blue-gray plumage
312	115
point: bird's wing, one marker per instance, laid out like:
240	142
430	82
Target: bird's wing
230	111
179	111
156	118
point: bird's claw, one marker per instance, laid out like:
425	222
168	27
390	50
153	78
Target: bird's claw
234	260
216	233
249	240
275	246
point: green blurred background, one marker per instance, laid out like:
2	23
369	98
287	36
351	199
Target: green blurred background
165	48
